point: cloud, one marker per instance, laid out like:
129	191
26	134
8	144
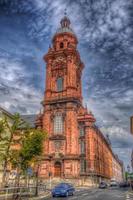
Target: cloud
16	94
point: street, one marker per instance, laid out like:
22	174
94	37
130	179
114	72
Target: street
99	194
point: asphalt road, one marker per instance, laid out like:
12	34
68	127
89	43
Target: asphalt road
99	194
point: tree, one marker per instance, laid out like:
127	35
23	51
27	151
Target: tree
31	148
7	131
20	145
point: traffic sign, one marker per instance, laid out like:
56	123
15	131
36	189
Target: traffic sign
29	171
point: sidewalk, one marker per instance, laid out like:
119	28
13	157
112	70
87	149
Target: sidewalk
43	196
9	196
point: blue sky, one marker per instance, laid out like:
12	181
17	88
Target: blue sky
104	30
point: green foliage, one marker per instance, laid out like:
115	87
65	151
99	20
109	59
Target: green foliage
32	147
30	142
7	131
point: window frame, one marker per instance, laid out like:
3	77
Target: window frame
82	166
82	147
61	45
58	124
59	87
81	131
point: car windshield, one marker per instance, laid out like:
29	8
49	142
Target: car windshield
62	186
102	183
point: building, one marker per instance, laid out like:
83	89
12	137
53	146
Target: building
75	147
4	113
118	170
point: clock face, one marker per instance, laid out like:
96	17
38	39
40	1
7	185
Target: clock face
60	58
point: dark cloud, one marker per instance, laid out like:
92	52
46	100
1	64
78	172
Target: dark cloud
105	33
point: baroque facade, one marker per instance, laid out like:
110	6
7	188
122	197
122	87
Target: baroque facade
75	147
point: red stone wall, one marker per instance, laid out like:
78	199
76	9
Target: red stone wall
65	62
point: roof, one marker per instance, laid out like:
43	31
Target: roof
30	119
10	115
64	30
65	26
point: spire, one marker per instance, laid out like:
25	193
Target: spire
65	21
65	24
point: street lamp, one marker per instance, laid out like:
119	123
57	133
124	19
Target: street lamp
128	168
37	174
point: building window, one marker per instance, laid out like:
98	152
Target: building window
82	147
61	45
81	131
83	166
60	84
58	124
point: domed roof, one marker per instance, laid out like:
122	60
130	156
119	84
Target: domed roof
65	26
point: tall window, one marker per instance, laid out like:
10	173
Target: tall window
81	131
58	124
61	45
59	84
82	147
83	166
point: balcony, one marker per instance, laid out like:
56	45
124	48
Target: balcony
57	137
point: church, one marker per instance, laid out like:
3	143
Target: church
75	148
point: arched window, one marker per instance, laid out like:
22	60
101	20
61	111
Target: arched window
59	84
61	45
83	166
82	147
58	124
81	131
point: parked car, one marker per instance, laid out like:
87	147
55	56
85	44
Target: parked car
63	189
124	184
103	185
113	184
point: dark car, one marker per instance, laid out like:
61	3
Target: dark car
124	184
103	185
63	189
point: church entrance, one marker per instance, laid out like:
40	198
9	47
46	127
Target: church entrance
57	169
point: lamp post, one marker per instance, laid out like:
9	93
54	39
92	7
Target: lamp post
37	174
50	185
128	170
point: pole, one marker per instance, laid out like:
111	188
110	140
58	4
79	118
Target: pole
50	180
37	173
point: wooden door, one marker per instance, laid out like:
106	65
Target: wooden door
57	169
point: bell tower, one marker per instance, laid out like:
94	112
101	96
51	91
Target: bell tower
62	104
63	66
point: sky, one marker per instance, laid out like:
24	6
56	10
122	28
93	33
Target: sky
105	35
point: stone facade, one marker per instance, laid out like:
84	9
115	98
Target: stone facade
117	166
75	147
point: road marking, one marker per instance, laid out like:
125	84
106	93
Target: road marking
127	197
73	198
84	194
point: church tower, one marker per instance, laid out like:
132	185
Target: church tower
64	117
